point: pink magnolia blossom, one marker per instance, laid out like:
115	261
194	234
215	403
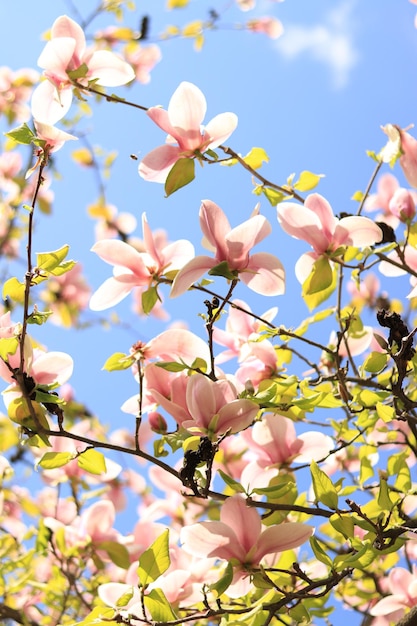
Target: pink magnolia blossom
66	52
199	404
380	201
315	223
239	537
240	329
403	205
275	442
215	408
15	91
143	59
262	272
133	268
401	145
410	258
111	223
182	121
53	137
175	344
67	295
402	586
270	26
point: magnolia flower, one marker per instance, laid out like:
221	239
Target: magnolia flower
214	407
262	272
269	26
182	121
403	145
133	268
403	587
380	201
54	137
67	52
239	537
143	59
403	205
240	330
274	440
409	259
315	223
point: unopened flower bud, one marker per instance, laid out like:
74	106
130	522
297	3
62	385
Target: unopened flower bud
402	205
157	423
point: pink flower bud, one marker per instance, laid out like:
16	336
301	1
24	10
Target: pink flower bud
408	159
157	422
402	205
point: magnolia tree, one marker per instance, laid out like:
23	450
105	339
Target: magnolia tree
245	514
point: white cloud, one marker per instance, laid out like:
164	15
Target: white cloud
330	43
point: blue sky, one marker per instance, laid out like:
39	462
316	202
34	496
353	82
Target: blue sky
314	99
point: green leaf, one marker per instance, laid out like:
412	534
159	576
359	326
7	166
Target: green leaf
324	490
52	460
199	364
159	607
80	72
219	587
231	482
181	174
384	412
48	261
384	499
39	317
375	362
320	278
117	552
172	366
21	134
63	268
92	461
344	524
155	560
118	361
222	269
149	299
274	196
307	181
319	553
15	290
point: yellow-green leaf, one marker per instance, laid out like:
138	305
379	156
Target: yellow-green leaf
159	607
155	560
92	461
48	261
324	490
182	173
118	361
15	290
385	412
52	460
375	362
307	181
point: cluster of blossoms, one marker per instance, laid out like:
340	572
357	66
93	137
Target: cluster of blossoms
244	428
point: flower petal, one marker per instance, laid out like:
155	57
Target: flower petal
191	272
110	293
109	69
220	128
265	274
208	539
156	165
282	537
